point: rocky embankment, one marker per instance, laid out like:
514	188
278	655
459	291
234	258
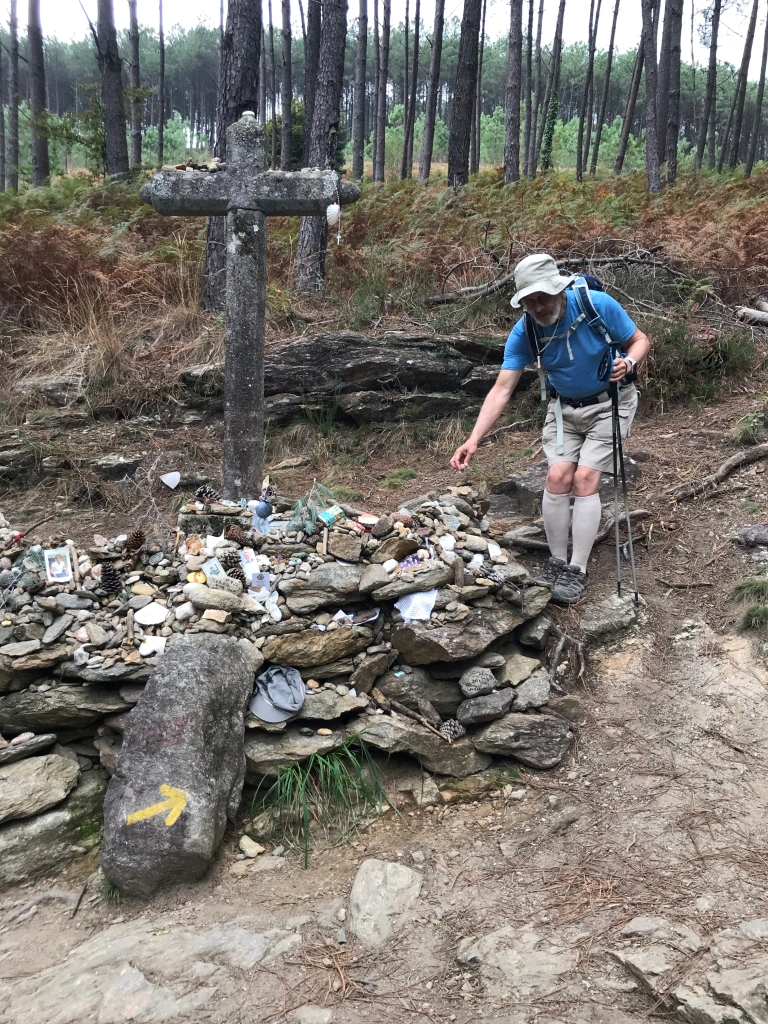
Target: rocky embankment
454	683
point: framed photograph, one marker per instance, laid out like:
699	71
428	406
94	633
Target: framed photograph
58	567
248	562
213	567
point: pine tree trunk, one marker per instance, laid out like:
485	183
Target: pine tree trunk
433	82
531	168
650	13
528	90
286	90
758	108
629	110
663	77
263	81
113	101
375	97
551	101
512	94
313	236
410	126
464	94
474	155
2	124
41	170
161	93
742	92
593	17
135	86
673	106
273	83
709	99
238	91
406	84
606	90
358	124
311	61
381	94
12	155
590	114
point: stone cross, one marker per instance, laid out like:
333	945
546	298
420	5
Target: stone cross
246	193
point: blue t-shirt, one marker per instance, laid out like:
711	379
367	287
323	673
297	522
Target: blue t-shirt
577	377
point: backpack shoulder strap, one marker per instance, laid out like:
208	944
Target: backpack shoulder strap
587	308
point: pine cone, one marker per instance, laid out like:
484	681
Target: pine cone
237	534
207	494
230	560
452	730
402	517
111	580
135	541
236	573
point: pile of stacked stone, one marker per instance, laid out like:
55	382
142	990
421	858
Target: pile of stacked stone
454	689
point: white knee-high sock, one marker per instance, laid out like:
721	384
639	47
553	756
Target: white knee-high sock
586	523
557	521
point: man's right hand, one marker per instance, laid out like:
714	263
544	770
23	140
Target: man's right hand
463	455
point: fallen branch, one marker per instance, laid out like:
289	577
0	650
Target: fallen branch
682	492
639	513
755	316
683	586
520	425
401	709
521	539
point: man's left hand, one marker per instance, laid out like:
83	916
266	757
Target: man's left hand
621	367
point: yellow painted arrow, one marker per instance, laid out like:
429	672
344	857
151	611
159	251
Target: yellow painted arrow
175	803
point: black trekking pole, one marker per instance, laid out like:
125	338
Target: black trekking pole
618	467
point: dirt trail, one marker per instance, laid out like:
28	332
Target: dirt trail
660	812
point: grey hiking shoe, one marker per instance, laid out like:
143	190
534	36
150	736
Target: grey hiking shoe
570	585
550	572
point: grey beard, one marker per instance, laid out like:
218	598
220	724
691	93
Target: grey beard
550	321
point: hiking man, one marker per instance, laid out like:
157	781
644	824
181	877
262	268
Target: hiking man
575	365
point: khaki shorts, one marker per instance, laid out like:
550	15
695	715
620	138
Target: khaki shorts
588	432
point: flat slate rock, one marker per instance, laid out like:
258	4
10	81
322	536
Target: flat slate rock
327	705
63	707
487	708
181	769
18	751
329	584
266	752
539	741
313	647
34	785
410	687
401	735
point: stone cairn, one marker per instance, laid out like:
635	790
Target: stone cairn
453	690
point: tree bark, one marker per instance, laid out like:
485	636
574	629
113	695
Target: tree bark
758	108
286	90
629	110
2	124
273	82
263	81
742	92
410	126
358	124
709	99
238	91
12	155
405	87
375	98
650	13
381	95
528	91
662	80
512	94
606	90
135	86
311	61
113	101
313	236
593	17
672	127
41	170
161	94
433	82
535	135
552	103
464	94
474	155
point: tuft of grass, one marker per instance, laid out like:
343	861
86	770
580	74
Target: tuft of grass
321	417
750	506
329	795
753	589
749	428
398	477
755	617
347	494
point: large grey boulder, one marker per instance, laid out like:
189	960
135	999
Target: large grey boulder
409	687
540	741
32	786
382	896
330	583
311	647
454	641
181	769
63	707
397	734
48	842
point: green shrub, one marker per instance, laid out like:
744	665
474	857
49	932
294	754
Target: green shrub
398	477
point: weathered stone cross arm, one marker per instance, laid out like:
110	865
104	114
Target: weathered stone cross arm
306	193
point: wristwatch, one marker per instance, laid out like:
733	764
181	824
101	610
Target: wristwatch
632	360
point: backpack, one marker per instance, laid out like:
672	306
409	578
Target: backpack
581	288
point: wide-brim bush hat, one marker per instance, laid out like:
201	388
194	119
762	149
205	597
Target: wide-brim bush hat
539	273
